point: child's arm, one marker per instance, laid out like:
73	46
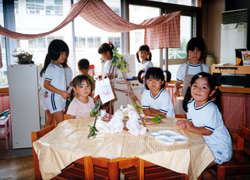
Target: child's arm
177	88
152	112
198	130
51	88
71	116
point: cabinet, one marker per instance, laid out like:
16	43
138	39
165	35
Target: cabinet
24	103
123	98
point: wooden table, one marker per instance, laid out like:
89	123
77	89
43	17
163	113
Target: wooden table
68	142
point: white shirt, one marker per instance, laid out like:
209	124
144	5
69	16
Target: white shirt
69	75
79	109
56	75
209	116
161	102
144	66
192	69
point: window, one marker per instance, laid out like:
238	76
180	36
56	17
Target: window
80	42
180	2
116	41
37	43
44	7
93	42
136	15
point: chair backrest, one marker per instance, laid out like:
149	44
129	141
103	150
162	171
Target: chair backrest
184	116
34	137
243	134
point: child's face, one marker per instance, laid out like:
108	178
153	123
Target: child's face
106	56
83	90
201	91
62	58
194	55
154	85
143	55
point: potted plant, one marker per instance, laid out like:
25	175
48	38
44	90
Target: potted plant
24	57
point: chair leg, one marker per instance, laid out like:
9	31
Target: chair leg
220	173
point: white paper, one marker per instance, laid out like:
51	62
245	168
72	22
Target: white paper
104	90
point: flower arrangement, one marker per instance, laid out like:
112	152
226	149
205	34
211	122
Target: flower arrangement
24	57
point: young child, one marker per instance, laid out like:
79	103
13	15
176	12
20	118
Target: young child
204	117
82	104
83	67
55	80
155	99
195	53
106	50
145	55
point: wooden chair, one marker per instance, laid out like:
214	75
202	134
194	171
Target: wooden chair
146	170
81	169
184	116
240	162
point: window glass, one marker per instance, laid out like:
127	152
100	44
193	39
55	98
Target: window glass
3	70
94	37
180	53
136	15
181	2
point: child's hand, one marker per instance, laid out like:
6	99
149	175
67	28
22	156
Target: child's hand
189	125
65	94
177	93
181	124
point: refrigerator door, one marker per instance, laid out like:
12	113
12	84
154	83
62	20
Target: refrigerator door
233	36
24	103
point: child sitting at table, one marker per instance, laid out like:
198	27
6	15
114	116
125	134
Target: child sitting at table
82	104
155	99
204	116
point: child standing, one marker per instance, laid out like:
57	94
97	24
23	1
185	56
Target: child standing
145	55
106	50
82	104
83	67
155	99
195	53
55	80
204	117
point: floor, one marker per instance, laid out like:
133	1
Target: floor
21	168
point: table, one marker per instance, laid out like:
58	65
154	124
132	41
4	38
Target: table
5	129
68	142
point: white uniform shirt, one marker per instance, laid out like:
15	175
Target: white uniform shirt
161	102
144	66
192	69
56	75
209	116
69	75
79	109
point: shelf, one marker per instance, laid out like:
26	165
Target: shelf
230	69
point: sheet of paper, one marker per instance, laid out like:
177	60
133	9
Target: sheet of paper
104	90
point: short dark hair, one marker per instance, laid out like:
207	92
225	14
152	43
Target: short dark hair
79	79
105	47
155	73
196	42
83	64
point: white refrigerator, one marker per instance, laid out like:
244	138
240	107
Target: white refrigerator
24	103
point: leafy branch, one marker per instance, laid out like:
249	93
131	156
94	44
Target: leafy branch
118	61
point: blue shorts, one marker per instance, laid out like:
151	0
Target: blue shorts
55	102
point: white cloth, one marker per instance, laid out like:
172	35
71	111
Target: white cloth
79	109
56	75
69	75
161	102
193	69
144	66
209	116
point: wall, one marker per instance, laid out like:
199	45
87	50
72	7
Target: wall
211	26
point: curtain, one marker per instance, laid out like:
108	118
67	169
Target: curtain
160	32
